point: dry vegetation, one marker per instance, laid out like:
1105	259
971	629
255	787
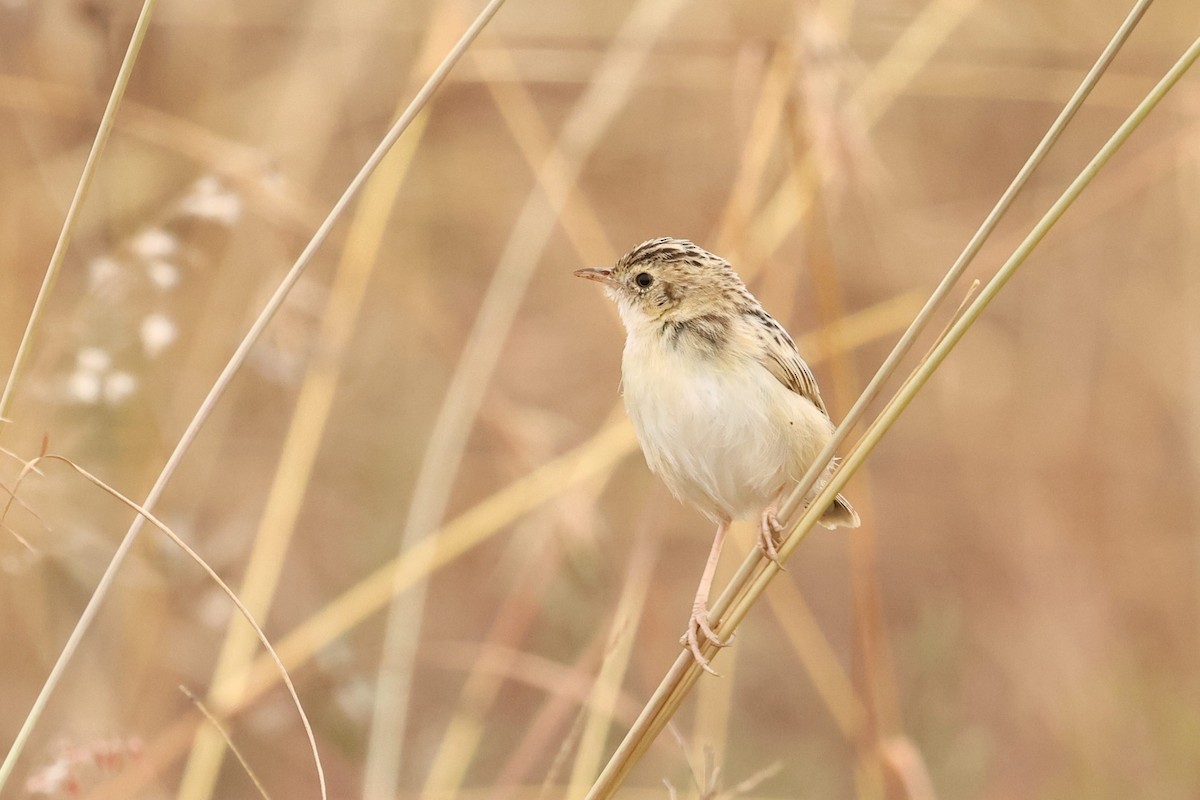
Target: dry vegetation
424	463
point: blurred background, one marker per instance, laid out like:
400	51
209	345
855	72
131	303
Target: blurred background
425	465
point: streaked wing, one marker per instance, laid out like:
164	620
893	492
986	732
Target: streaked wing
779	355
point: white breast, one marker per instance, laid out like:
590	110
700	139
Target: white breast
724	435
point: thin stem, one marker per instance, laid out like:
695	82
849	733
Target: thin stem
107	120
224	734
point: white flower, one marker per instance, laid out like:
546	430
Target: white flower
54	778
118	387
102	271
157	332
93	359
83	386
154	243
210	199
163	274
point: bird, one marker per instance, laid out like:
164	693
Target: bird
727	413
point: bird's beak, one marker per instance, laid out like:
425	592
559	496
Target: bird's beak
599	276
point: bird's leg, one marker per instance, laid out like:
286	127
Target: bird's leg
769	529
698	623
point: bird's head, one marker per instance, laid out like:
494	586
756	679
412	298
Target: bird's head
669	280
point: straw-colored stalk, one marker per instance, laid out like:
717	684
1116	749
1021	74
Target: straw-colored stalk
107	120
224	734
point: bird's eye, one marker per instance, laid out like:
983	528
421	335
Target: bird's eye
644	279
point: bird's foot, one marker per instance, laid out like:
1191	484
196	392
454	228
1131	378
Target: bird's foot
699	629
769	530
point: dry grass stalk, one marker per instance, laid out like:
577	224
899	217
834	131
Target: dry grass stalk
907	768
707	780
224	734
764	127
107	120
583	228
918	325
873	673
820	661
549	725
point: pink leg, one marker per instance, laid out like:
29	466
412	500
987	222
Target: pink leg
698	623
769	529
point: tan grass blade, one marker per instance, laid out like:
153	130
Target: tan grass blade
13	498
831	682
224	734
107	121
903	760
764	128
529	669
368	596
302	442
873	674
549	724
517	107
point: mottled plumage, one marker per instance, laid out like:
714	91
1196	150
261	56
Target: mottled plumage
727	412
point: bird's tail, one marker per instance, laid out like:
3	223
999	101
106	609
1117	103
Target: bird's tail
840	514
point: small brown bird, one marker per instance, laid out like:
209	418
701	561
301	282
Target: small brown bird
727	412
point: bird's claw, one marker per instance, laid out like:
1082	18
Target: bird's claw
768	533
699	626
